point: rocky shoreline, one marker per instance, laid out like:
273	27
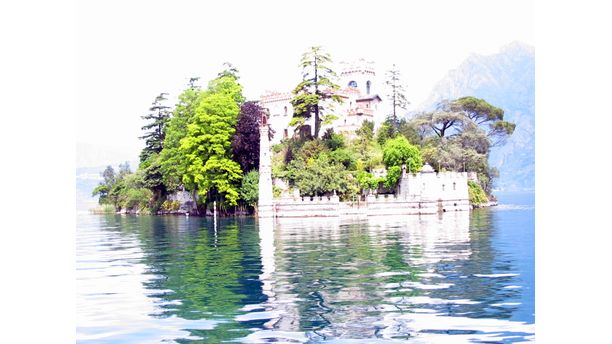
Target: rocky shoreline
485	205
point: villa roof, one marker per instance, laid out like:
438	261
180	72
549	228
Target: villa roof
368	98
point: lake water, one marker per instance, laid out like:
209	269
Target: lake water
462	277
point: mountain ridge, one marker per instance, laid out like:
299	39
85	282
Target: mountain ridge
507	80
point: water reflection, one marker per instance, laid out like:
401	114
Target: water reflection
183	279
405	277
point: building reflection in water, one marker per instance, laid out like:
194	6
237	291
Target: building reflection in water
385	277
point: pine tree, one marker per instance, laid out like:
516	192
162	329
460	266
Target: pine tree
156	129
396	94
313	94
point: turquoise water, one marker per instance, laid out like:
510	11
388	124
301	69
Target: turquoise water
462	277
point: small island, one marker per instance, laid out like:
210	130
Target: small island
319	150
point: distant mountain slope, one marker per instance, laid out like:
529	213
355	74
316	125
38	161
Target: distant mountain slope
506	80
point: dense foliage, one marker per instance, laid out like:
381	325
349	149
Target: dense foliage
476	193
245	143
399	151
459	134
335	163
249	190
208	145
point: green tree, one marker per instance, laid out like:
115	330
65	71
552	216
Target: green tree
207	147
314	94
155	130
317	176
366	132
410	131
485	115
394	173
152	179
333	140
467	113
172	160
104	187
249	190
387	130
245	143
399	151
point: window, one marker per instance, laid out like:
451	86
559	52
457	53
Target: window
286	133
352	83
285	111
454	186
368	85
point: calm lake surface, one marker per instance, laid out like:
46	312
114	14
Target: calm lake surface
462	277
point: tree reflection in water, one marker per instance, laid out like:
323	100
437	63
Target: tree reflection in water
311	279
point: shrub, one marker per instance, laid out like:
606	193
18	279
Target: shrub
276	191
137	198
343	156
170	205
393	176
476	193
249	190
332	140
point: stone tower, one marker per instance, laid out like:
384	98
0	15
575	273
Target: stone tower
264	204
360	75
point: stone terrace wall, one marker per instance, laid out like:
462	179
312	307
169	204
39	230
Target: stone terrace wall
381	205
418	194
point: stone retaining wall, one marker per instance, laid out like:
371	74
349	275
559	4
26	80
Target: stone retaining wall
373	206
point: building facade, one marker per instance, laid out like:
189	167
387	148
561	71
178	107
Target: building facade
359	92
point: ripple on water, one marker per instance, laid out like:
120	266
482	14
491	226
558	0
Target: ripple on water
422	279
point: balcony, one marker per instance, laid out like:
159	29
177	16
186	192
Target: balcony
361	112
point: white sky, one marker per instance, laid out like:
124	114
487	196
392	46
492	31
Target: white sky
130	51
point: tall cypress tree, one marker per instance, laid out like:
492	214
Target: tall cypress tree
396	93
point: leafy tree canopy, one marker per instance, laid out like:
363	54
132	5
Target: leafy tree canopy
207	146
399	151
245	142
249	191
172	160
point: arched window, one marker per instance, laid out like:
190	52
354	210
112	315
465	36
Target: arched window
368	85
352	83
285	111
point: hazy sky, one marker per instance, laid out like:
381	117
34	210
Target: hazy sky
130	51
